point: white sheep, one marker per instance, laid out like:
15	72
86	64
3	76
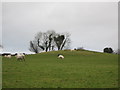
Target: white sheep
20	56
7	56
72	50
61	56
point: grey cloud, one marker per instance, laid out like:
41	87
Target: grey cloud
92	25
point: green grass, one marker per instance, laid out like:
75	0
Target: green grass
79	69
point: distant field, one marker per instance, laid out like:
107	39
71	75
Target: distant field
79	69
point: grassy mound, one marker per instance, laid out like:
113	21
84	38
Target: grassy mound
79	69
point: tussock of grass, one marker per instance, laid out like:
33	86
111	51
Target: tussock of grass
79	69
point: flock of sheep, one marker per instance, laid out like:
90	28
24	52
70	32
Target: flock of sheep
19	56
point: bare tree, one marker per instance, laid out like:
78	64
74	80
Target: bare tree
62	40
33	47
43	41
47	41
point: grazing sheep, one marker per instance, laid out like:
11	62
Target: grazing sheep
7	56
20	57
72	50
60	56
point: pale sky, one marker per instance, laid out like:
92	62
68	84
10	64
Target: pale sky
92	25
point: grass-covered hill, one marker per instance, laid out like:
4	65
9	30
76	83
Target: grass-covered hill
79	69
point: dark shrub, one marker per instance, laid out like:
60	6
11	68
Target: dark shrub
108	50
80	49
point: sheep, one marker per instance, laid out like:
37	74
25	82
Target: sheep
60	56
7	56
20	57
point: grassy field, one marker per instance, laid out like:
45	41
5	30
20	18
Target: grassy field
79	69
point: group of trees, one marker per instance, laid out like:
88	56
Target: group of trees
49	41
108	50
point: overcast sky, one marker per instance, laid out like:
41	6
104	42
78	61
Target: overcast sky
92	25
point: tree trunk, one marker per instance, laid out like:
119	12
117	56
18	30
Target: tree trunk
63	44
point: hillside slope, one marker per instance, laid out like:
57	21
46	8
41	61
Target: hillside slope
79	69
